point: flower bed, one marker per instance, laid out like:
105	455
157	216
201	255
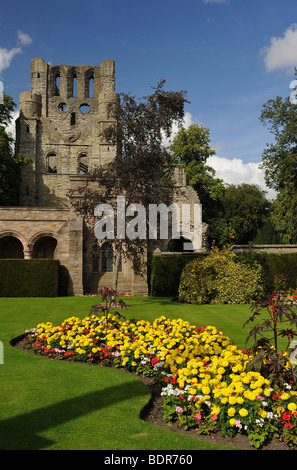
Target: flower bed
203	375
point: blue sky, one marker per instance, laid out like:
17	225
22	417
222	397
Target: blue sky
231	56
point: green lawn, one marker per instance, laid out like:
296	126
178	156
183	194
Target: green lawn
47	404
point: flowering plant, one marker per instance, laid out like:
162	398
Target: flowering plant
268	358
204	377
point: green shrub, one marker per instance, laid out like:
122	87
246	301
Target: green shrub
281	265
165	273
29	278
220	279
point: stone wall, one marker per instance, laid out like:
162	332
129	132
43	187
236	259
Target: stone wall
60	127
267	248
30	225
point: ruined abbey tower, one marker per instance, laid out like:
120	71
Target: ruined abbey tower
60	127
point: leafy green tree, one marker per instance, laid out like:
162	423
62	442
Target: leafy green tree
191	147
245	211
279	162
10	163
280	157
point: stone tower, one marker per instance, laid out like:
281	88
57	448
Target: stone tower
60	126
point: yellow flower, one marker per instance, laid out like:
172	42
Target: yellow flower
285	396
231	411
232	421
232	400
205	390
263	413
292	407
216	409
243	412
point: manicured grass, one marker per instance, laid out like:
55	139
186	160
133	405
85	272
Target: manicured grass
47	404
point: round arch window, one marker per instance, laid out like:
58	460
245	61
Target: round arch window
84	108
44	248
11	247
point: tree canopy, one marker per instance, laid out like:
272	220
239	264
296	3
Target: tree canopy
141	170
279	163
245	209
191	148
10	162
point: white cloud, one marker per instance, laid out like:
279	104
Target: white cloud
234	171
282	52
6	55
187	121
24	39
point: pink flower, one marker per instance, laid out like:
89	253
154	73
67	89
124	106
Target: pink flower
178	409
198	416
214	417
260	398
238	424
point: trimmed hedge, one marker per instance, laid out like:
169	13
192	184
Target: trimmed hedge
29	278
166	271
274	264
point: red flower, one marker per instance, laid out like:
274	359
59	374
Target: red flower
288	425
286	416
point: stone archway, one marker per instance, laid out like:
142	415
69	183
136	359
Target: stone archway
11	247
180	245
44	247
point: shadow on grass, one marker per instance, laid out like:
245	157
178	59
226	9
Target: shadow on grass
21	432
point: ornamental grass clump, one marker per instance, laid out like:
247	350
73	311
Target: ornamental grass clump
203	375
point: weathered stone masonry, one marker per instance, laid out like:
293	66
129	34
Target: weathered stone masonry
60	126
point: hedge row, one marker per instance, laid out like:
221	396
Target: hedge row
167	269
29	278
276	264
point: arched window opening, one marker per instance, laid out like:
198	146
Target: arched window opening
84	108
52	163
179	245
107	258
62	107
74	86
72	119
83	164
91	87
57	85
89	84
45	248
11	247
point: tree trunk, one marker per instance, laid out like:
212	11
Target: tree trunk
117	264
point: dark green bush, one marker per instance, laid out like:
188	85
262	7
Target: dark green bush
165	273
274	264
29	278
